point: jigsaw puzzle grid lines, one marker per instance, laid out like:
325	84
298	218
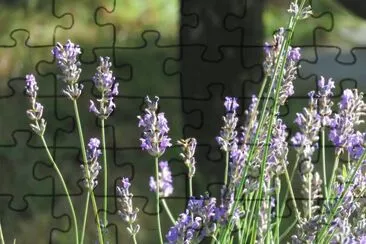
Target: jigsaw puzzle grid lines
220	63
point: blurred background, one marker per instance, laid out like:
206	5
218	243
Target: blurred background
189	53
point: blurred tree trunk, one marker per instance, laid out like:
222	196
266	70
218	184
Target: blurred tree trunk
357	7
221	53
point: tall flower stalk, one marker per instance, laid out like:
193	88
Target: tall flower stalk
105	83
127	212
38	125
155	141
67	60
189	148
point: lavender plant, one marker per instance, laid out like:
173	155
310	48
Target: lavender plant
256	182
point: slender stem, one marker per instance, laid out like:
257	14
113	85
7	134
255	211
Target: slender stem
310	175
80	131
292	194
1	235
105	221
339	200
158	198
226	167
324	165
168	211
95	208
190	187
277	227
335	167
287	189
86	208
133	237
284	234
64	186
85	162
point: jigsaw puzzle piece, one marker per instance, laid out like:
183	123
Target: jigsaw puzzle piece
125	22
21	21
210	28
37	223
21	164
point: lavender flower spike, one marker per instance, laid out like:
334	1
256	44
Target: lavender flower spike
325	104
228	131
67	61
105	83
127	212
351	110
196	223
189	148
155	127
36	111
90	176
165	180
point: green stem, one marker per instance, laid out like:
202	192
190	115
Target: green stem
190	187
292	194
73	215
335	167
105	221
1	235
95	208
310	175
86	208
85	162
226	167
133	237
284	234
158	198
287	189
324	165
277	227
80	131
168	211
334	210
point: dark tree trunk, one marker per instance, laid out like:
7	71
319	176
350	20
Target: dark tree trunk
357	7
221	56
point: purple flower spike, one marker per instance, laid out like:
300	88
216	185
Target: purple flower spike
309	122
228	131
196	223
351	109
231	104
127	212
189	148
91	174
31	86
294	54
155	127
35	113
290	74
105	83
165	180
324	100
67	60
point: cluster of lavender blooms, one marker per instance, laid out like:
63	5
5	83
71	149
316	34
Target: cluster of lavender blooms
127	212
196	223
105	83
69	65
154	139
35	113
92	170
165	188
67	59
